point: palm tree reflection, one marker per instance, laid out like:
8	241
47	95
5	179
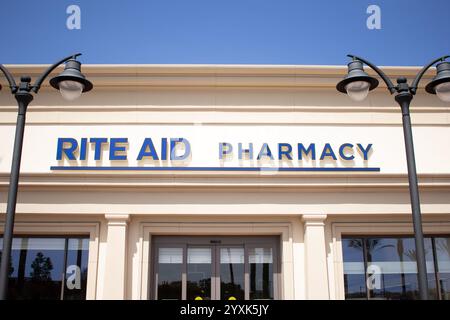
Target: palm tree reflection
372	245
369	247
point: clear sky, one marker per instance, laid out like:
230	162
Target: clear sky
225	31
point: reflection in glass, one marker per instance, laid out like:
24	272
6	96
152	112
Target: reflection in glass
199	274
261	273
442	246
385	268
232	273
76	269
37	268
396	260
170	263
354	271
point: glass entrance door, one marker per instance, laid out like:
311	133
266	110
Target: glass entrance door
227	268
199	273
231	275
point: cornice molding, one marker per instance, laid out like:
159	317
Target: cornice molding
215	75
216	182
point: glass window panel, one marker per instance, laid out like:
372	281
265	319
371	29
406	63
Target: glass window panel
232	274
354	267
42	269
260	255
354	270
401	267
443	265
199	272
392	268
78	244
199	255
37	243
261	273
232	255
37	268
76	269
170	264
170	255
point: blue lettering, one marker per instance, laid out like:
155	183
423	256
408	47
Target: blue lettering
327	152
311	149
265	152
241	151
68	151
173	144
343	155
148	143
365	151
284	149
114	148
98	146
83	148
164	149
225	148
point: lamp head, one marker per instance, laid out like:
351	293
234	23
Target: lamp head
357	83
71	82
440	85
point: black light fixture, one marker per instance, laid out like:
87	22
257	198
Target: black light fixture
440	85
71	83
404	94
357	83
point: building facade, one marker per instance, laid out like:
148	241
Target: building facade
224	182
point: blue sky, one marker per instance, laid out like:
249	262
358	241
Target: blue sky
225	31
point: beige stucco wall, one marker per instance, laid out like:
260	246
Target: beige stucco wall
310	211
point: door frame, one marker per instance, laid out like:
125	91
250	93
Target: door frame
215	243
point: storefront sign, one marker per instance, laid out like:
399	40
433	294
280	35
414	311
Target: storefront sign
266	149
176	153
72	149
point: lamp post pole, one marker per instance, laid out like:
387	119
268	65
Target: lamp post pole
71	83
357	84
404	98
23	99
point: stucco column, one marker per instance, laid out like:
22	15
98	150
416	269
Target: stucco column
116	253
315	257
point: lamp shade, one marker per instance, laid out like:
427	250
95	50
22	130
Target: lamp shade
71	81
357	83
440	84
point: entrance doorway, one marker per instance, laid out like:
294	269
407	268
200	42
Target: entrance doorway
215	268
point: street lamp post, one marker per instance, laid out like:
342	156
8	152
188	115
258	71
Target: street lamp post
357	85
71	83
